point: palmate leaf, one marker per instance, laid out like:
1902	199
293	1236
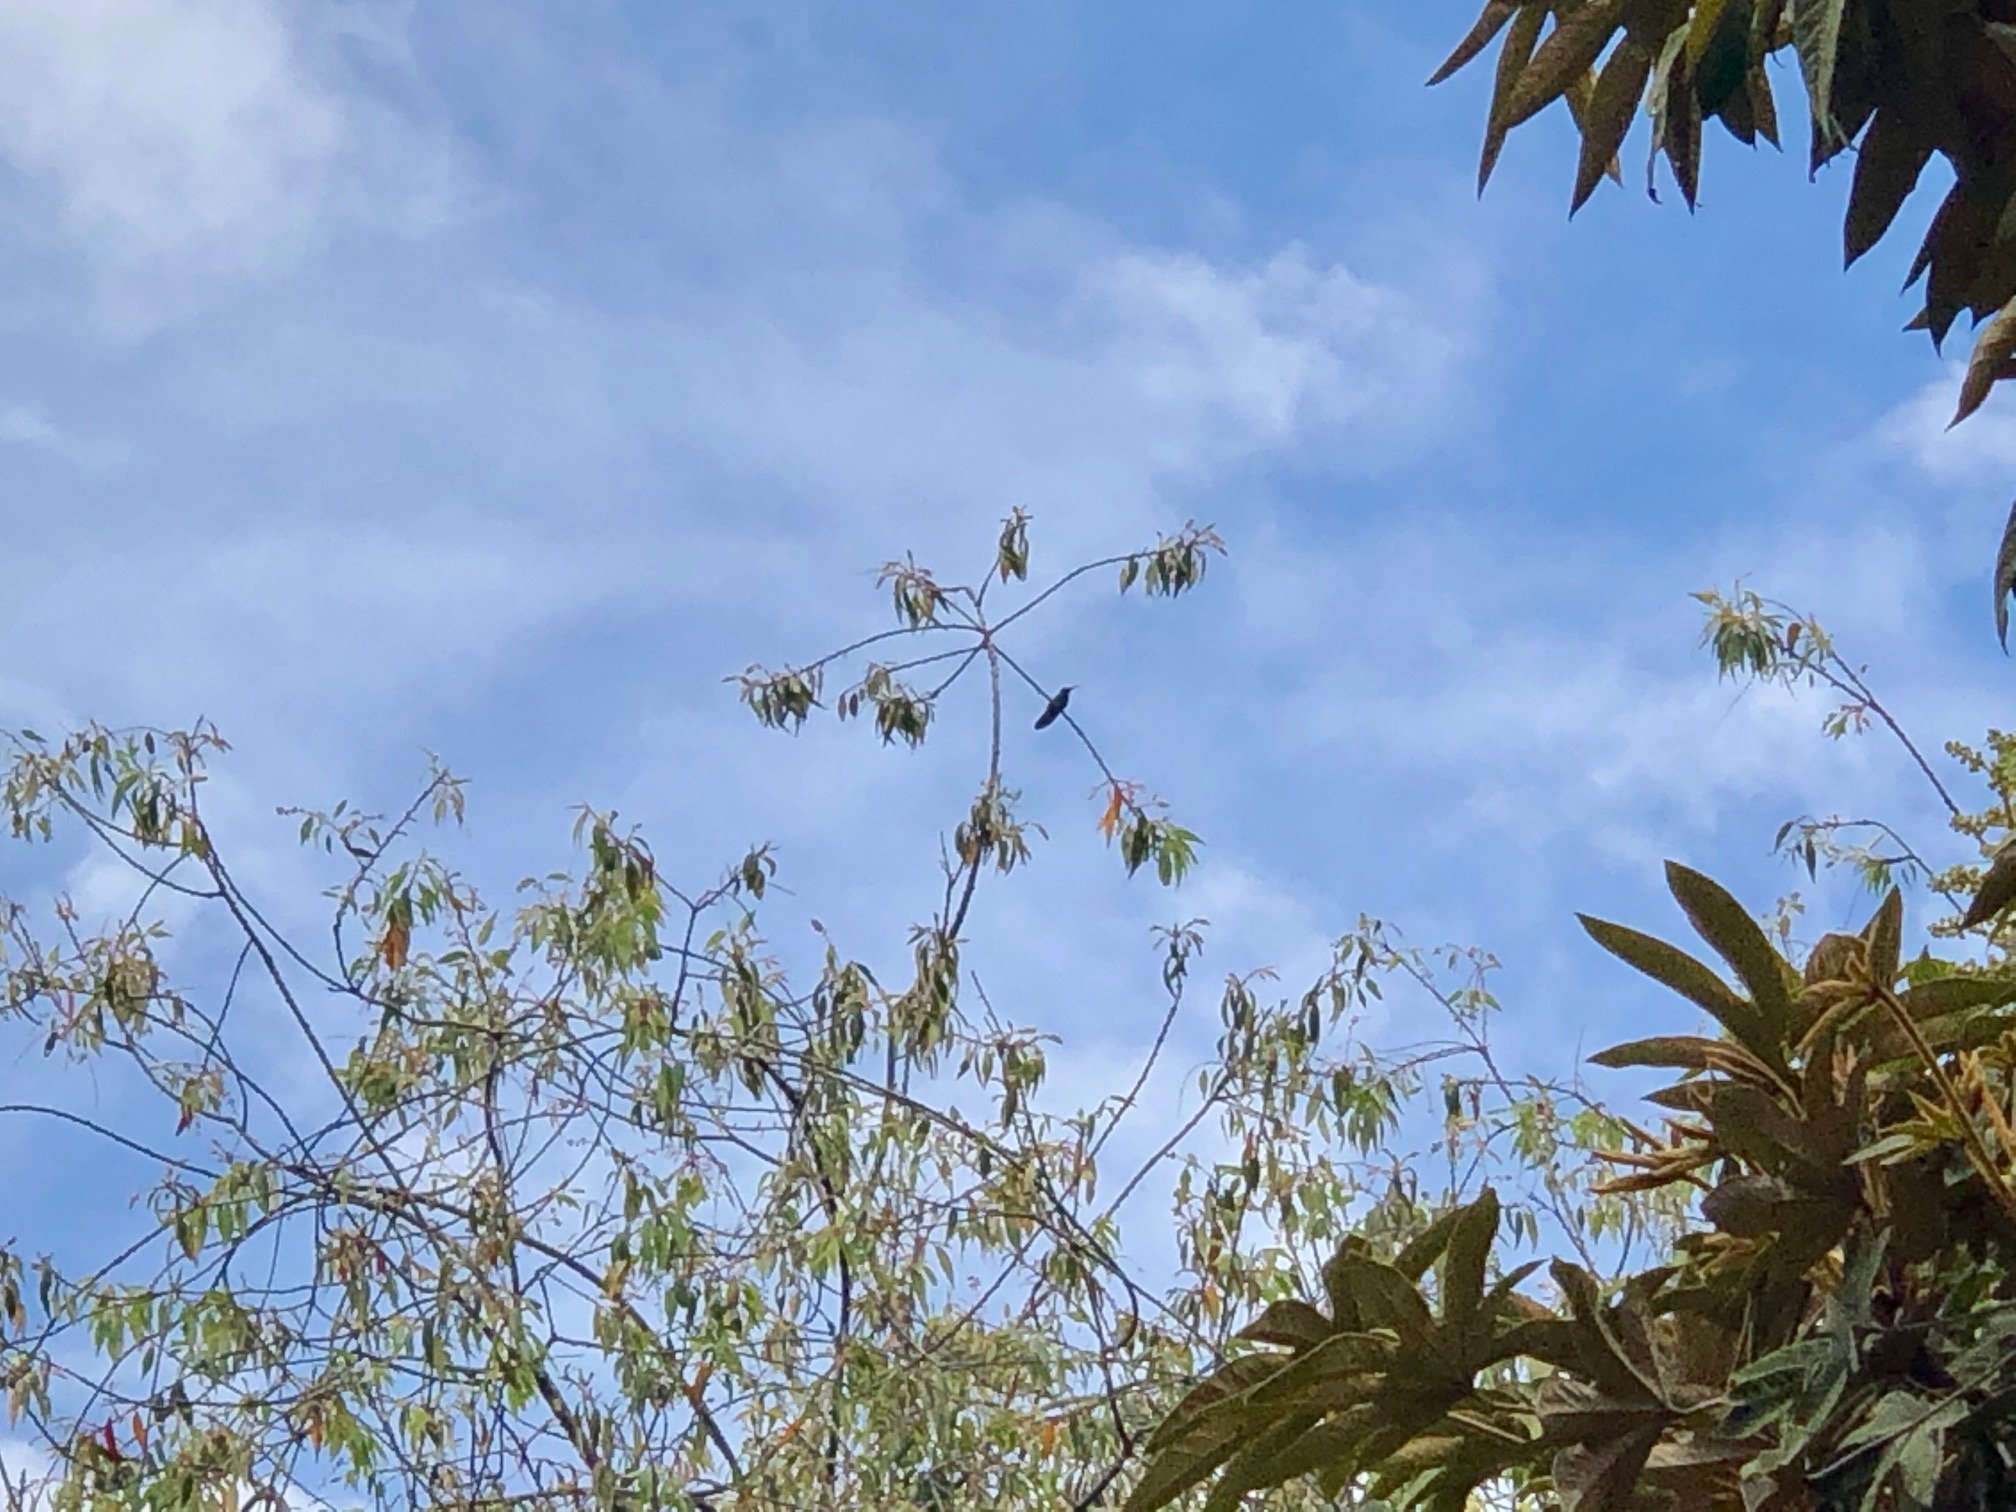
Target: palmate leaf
1676	969
1726	925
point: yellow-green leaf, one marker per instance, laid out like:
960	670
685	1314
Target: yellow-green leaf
1724	923
1496	13
1577	41
1676	969
1513	59
1887	167
1607	120
1990	362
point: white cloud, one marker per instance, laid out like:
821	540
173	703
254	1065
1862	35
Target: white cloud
185	142
1281	351
1980	450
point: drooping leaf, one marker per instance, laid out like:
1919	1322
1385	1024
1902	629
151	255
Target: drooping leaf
1577	41
1513	57
1718	51
1993	350
1679	134
1955	248
1763	108
1495	14
1816	35
1607	121
1887	168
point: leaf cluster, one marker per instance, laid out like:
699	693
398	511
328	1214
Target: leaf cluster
1902	81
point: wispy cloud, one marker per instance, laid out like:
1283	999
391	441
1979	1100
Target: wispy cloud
180	145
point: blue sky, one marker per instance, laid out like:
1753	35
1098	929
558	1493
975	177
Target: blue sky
388	377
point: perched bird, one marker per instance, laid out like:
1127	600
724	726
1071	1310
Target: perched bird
1998	889
1053	708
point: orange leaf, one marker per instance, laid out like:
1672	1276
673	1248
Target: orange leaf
1110	820
140	1432
1049	1435
398	938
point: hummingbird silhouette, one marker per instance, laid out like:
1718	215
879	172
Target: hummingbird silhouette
1053	708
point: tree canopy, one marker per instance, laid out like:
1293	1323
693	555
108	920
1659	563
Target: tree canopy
595	1201
1835	1326
1899	81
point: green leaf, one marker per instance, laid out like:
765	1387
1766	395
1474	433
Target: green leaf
1885	940
1386	1299
1607	119
1230	1380
1724	923
1945	996
1989	364
1464	1263
1513	58
1338	1373
1887	169
1816	35
1426	1247
1577	41
1674	968
1290	1323
1718	51
1496	13
1255	1466
1679	1052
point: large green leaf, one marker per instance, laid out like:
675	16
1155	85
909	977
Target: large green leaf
1290	1323
1674	968
1606	121
1816	33
1495	14
1513	58
1887	168
1577	41
1727	926
1464	1263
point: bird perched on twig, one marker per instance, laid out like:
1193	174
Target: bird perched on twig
1998	889
1053	708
